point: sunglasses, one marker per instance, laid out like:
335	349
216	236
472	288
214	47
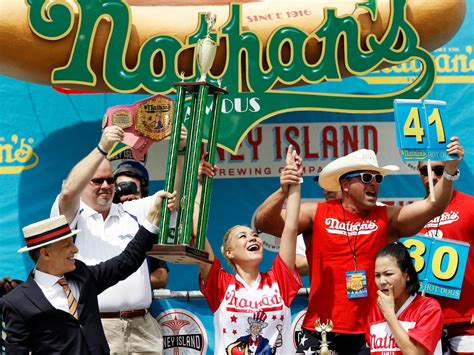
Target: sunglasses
438	170
366	178
100	181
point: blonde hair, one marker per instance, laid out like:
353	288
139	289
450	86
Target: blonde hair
226	245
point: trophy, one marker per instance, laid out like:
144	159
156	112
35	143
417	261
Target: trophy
323	329
206	49
176	245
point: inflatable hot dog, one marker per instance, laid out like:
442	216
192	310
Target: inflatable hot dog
149	42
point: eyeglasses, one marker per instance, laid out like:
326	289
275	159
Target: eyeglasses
438	170
366	178
100	181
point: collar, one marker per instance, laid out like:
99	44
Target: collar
404	306
256	284
116	210
252	341
44	279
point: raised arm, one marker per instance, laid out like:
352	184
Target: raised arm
270	216
410	219
207	169
110	272
83	171
290	229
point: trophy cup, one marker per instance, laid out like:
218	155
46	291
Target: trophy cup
206	49
323	329
176	247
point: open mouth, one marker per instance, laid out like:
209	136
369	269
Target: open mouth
253	247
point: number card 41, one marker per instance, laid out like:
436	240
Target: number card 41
423	129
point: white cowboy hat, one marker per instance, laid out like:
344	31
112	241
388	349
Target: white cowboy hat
360	160
45	232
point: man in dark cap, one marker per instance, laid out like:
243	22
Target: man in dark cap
132	182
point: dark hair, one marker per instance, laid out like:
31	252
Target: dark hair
398	251
136	170
34	254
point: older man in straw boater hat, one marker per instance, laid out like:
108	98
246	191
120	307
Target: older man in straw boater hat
56	311
344	237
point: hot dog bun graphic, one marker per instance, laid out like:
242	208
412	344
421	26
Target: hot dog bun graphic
25	55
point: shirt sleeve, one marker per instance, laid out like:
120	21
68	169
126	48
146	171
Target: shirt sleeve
156	263
300	246
216	285
429	325
288	281
140	207
55	212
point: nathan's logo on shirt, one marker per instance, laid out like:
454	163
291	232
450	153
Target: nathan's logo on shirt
183	332
237	303
447	217
335	226
381	338
17	155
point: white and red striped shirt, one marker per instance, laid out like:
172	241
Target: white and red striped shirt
234	303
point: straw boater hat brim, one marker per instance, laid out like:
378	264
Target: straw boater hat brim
360	160
46	232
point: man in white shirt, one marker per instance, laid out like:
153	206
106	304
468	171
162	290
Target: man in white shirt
86	201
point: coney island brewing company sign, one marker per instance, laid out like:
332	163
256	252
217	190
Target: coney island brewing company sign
242	110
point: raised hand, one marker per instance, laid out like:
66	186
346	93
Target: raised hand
205	168
386	303
454	148
291	173
110	136
155	211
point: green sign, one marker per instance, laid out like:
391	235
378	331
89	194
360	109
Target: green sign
260	96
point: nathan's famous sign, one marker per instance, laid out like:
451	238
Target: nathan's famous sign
265	48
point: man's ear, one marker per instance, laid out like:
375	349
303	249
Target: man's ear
344	185
44	252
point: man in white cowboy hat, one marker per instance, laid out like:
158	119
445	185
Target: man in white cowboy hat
86	199
344	237
56	310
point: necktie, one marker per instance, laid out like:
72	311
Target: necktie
71	300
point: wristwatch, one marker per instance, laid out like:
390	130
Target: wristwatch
450	177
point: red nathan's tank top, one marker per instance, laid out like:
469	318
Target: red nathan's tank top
330	257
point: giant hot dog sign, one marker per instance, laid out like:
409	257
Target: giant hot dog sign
265	48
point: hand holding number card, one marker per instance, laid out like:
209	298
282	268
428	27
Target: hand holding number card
423	130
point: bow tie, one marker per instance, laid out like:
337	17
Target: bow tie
253	342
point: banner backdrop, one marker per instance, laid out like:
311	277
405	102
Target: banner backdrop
44	133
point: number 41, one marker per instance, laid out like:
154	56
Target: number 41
413	128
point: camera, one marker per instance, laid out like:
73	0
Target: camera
123	189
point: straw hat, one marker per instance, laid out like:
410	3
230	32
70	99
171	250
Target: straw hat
360	160
45	232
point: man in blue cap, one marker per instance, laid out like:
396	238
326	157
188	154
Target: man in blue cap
132	182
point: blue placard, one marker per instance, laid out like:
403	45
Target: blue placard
423	129
440	264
